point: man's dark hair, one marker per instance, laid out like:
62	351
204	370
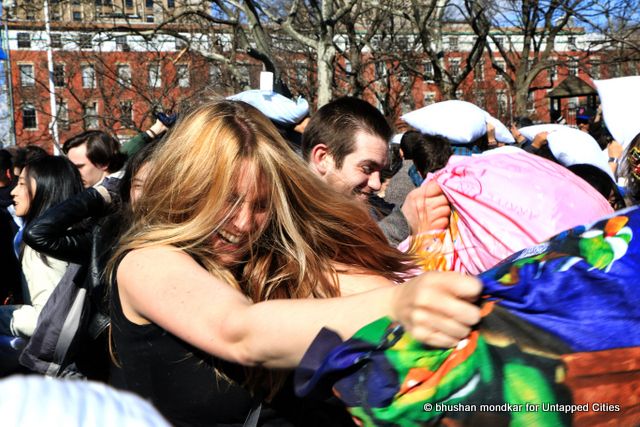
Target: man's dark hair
336	124
408	142
6	163
431	154
102	149
24	155
522	121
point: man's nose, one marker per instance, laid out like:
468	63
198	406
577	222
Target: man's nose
374	181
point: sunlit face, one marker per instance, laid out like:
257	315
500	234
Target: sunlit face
20	194
138	182
91	174
232	242
360	171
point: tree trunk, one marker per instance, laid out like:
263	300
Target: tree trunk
326	57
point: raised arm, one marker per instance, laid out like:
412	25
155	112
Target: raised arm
165	286
50	234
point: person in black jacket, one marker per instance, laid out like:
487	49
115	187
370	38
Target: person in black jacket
83	230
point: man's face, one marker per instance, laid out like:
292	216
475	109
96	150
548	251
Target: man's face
360	171
91	174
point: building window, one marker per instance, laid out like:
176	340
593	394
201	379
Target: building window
595	70
148	4
27	78
499	41
90	116
121	44
381	70
29	118
215	73
615	70
501	66
58	75
428	70
88	77
347	66
453	43
155	75
63	115
128	4
454	67
301	73
182	75
571	41
429	98
56	41
478	71
126	114
84	41
553	71
171	4
501	99
124	75
150	18
77	15
573	67
24	40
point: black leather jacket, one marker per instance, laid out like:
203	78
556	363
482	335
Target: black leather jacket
80	230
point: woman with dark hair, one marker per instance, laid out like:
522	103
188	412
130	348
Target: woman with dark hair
97	216
44	182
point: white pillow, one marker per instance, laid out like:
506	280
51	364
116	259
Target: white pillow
501	131
458	121
397	138
510	149
530	132
275	106
572	147
619	109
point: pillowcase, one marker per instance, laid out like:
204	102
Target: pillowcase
530	132
619	109
459	121
276	107
572	147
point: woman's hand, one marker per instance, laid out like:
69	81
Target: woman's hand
437	308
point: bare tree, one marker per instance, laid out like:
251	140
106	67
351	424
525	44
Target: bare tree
522	41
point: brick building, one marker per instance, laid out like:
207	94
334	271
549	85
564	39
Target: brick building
116	71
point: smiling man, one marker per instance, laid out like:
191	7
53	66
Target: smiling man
346	144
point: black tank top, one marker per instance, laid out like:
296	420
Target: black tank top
176	377
180	381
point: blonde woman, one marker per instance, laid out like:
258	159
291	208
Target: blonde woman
238	252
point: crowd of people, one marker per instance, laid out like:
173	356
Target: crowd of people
195	265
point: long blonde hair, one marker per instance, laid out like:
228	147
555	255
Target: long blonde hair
190	194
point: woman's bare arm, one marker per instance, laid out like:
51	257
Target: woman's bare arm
167	287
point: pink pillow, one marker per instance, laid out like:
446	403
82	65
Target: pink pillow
501	204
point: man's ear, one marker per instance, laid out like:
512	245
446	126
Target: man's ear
103	168
320	159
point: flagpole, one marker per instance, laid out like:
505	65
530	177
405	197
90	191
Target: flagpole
8	76
53	125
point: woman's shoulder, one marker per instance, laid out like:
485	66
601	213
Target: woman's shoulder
153	262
